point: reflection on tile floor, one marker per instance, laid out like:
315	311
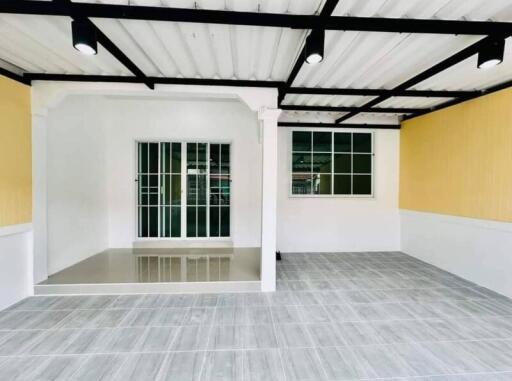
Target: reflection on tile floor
335	317
163	265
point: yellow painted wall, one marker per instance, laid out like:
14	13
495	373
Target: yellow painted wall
458	161
15	153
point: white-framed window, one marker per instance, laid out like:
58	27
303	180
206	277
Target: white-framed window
331	163
183	190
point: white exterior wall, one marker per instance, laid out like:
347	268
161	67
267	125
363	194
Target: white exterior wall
477	250
335	224
16	266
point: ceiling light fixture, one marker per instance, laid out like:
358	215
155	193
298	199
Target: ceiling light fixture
84	37
491	54
315	46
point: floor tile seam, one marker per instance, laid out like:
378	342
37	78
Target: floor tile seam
281	360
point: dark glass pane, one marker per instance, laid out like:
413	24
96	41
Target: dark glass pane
201	221
191	190
301	141
362	184
176	158
224	222
322	142
214	222
224	182
191	156
224	157
153	157
202	163
191	221
143	189
176	190
342	163
153	221
143	157
322	184
342	184
214	158
165	157
143	221
153	190
225	196
342	142
362	163
165	221
363	142
301	183
301	162
322	162
214	181
175	221
201	189
165	189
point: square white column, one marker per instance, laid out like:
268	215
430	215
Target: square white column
268	119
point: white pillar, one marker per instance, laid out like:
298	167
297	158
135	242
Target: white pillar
268	121
39	195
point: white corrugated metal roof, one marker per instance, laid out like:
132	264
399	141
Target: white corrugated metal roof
42	44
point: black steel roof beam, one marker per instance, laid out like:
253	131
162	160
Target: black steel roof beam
338	125
380	92
14	76
426	74
326	11
153	13
380	110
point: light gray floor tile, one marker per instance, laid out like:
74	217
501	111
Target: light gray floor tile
58	368
108	318
258	315
340	363
199	316
453	357
263	365
341	313
381	361
151	301
100	301
259	336
358	333
324	335
157	339
178	301
285	314
301	364
87	341
141	366
313	314
169	316
419	360
123	340
206	300
21	368
99	368
19	342
182	366
292	335
223	366
127	301
225	337
230	315
52	342
79	319
191	338
306	298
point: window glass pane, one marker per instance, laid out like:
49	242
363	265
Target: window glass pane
225	196
192	190
176	190
224	157
175	221
214	158
224	221
201	221
191	157
201	157
191	221
153	189
165	221
322	141
342	163
176	158
301	141
322	162
143	218
165	157
214	222
143	157
322	184
362	163
301	183
362	184
153	221
153	157
301	162
363	142
342	142
201	190
342	184
165	189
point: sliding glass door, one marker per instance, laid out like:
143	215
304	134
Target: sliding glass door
200	172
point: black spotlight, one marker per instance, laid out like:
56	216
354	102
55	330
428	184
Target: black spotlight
84	37
491	54
315	46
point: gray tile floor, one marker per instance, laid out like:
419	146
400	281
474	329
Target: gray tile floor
346	316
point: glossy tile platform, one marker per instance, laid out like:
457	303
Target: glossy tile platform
346	316
161	270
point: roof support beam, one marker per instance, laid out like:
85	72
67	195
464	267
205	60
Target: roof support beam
14	76
430	72
338	125
152	13
380	110
380	92
325	13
